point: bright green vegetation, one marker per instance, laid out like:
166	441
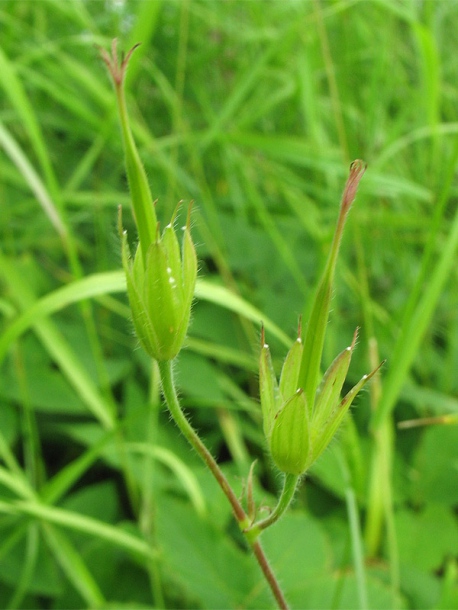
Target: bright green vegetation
254	111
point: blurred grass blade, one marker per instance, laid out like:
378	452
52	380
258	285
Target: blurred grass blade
88	287
241	89
357	543
15	91
73	566
114	281
31	177
145	22
58	348
414	329
183	473
17	485
80	523
28	568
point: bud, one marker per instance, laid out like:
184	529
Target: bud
160	279
298	433
301	415
161	288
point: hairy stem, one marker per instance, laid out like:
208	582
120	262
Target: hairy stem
269	575
171	398
168	388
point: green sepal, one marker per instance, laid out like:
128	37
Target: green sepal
290	370
171	247
134	281
337	415
162	300
328	393
289	440
268	388
189	269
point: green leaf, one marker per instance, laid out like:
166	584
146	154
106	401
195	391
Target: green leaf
198	377
298	548
211	570
50	392
436	458
340	591
426	538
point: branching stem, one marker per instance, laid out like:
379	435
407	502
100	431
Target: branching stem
171	398
289	488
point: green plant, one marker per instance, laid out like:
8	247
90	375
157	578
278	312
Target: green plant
254	111
301	414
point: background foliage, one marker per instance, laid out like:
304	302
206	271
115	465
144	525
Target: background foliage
253	109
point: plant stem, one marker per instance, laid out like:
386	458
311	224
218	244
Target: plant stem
289	488
269	575
168	388
171	398
143	205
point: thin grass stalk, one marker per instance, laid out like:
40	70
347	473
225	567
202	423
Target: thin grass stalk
356	535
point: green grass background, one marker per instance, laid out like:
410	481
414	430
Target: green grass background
253	109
